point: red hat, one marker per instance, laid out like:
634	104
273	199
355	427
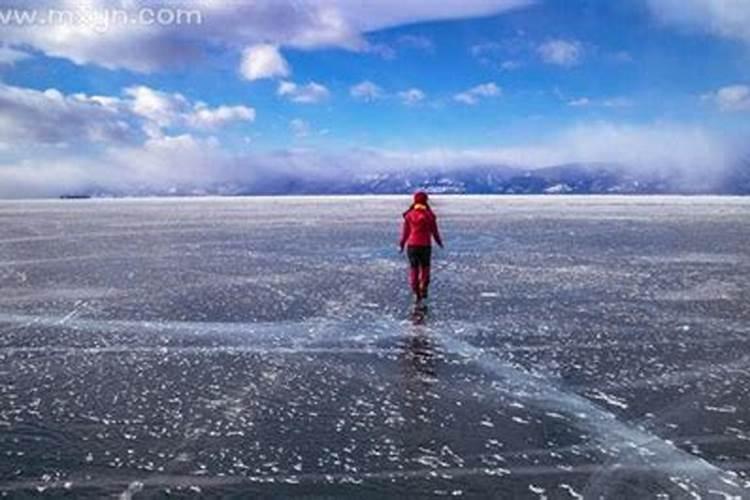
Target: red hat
420	198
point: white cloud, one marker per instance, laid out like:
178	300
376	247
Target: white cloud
49	117
163	110
312	93
610	102
690	155
306	24
160	108
561	52
724	18
580	102
263	61
380	49
158	164
366	91
473	95
167	161
29	116
9	56
731	98
412	96
205	117
299	128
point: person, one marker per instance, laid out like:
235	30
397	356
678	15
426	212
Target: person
419	228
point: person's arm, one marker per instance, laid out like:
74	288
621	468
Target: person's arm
405	232
436	233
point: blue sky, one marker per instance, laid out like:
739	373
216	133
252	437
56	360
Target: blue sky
410	83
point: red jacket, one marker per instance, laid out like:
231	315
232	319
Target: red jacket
420	226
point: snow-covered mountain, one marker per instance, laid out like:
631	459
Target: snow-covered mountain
561	179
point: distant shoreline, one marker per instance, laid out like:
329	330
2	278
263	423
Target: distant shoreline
94	198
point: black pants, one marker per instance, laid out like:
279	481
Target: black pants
419	256
419	269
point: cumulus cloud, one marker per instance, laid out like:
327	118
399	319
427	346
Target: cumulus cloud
731	98
366	91
162	110
565	53
139	47
305	24
159	108
474	94
312	93
724	18
263	61
206	117
49	117
29	116
412	96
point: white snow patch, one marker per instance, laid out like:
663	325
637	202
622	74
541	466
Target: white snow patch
721	409
608	398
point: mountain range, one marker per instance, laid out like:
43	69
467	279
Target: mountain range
561	179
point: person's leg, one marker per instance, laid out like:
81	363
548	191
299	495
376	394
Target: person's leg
414	281
424	270
424	280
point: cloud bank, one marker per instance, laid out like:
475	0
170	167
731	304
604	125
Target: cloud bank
256	26
690	155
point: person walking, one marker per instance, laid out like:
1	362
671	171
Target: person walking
419	229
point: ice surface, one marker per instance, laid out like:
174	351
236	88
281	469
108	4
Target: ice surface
576	347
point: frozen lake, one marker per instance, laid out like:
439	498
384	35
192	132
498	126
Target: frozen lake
576	347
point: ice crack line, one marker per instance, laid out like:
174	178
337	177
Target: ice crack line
537	390
602	425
